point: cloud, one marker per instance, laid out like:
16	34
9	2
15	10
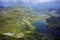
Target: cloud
31	1
36	1
13	0
5	0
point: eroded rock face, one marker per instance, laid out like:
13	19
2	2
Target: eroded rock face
53	24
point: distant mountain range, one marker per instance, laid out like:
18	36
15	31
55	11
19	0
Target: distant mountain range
46	6
36	7
1	8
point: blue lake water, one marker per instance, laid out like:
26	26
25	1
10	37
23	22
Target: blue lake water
40	26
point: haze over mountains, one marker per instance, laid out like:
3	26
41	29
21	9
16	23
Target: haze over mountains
36	5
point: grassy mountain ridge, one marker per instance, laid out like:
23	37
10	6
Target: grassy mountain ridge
17	20
16	23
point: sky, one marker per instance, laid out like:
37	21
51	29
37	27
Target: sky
36	1
31	1
52	3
